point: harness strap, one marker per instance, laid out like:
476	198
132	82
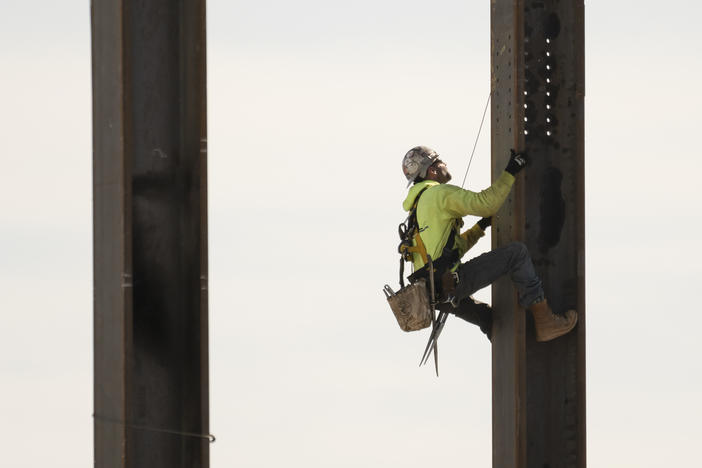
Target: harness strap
421	248
402	272
410	231
448	257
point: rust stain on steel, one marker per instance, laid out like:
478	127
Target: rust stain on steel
150	233
508	369
538	102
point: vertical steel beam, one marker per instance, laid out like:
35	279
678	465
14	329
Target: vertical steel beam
151	382
537	58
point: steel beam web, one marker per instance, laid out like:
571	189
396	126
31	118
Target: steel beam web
150	234
537	51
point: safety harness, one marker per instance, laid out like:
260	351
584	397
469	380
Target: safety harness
411	242
414	306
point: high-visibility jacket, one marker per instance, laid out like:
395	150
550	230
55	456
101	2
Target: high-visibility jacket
442	207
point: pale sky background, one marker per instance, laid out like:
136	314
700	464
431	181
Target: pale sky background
311	106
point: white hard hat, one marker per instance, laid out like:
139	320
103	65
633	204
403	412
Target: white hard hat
417	161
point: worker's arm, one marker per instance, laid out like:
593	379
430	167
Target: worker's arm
460	203
472	235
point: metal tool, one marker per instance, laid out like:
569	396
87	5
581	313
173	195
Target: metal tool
437	327
388	291
437	322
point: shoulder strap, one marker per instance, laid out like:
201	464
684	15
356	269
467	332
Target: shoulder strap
416	201
409	231
447	259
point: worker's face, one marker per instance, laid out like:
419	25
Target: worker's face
439	172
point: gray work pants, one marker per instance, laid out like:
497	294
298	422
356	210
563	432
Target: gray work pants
485	269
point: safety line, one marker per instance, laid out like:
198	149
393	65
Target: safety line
476	138
209	437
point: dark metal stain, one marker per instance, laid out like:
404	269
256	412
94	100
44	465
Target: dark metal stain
530	111
531	82
552	209
552	26
551	62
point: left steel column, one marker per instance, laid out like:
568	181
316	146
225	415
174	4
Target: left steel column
151	380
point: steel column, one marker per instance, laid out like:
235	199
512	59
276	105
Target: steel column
150	234
537	50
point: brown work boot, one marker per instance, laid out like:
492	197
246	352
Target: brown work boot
549	325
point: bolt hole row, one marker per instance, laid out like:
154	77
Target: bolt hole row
549	69
548	84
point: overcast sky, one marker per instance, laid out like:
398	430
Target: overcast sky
317	101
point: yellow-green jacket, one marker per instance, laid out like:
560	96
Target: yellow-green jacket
442	206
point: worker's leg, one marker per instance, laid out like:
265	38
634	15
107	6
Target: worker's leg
512	259
472	311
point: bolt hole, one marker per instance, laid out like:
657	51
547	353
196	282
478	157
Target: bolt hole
548	132
548	41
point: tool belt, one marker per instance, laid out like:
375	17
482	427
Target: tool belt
445	280
410	305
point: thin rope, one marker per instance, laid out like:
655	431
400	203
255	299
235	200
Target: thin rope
476	139
209	437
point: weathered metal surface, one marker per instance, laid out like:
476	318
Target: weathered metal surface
150	233
538	86
508	351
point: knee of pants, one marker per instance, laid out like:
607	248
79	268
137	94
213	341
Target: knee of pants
518	249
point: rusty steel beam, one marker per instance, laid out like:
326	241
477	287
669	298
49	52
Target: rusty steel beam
151	383
537	61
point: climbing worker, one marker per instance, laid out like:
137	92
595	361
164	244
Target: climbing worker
440	208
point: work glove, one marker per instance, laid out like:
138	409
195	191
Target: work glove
485	222
516	163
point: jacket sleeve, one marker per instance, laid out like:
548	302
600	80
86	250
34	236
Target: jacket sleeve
472	235
460	203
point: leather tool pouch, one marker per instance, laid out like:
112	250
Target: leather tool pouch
448	285
410	305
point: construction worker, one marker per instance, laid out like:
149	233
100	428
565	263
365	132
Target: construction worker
440	208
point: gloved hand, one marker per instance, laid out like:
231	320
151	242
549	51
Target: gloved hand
485	222
516	163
